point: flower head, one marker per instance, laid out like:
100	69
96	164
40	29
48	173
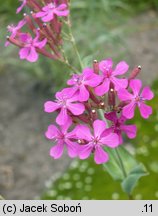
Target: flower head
50	10
28	51
62	138
65	103
136	99
109	75
82	81
119	126
95	141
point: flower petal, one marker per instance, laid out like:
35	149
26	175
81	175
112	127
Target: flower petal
62	13
50	106
147	93
128	110
124	95
72	148
51	132
135	86
76	108
121	68
48	17
99	126
85	151
119	83
57	150
66	126
145	110
111	140
105	65
83	94
62	117
100	156
83	132
41	44
33	55
103	88
111	116
23	53
130	130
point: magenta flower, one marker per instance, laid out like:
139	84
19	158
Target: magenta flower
48	12
28	51
82	81
14	29
64	103
136	99
21	6
96	141
109	75
119	126
62	138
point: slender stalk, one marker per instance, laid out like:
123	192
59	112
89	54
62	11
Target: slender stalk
73	41
122	167
121	163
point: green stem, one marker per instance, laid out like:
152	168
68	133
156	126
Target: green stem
122	167
121	163
73	41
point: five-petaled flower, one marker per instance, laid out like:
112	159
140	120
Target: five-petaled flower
136	99
118	126
109	75
96	141
15	29
64	103
82	81
49	11
28	51
63	138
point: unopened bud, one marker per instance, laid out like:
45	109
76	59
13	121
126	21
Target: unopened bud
135	72
96	66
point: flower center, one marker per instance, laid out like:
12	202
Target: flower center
95	140
138	98
78	80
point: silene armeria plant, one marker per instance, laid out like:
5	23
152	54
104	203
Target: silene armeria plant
94	109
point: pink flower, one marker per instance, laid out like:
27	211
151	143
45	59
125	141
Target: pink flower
82	81
52	9
136	99
14	29
64	103
96	141
119	126
29	52
21	6
63	138
109	75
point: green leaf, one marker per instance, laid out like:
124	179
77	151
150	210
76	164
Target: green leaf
123	166
113	165
131	180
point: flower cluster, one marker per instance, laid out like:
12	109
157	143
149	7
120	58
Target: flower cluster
96	96
42	27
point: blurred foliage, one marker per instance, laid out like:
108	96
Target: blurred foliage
86	180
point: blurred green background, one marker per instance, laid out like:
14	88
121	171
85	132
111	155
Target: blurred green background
101	29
